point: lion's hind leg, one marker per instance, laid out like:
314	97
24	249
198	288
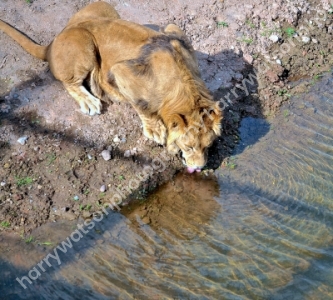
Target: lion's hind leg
73	60
89	104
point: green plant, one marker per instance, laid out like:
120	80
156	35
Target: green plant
268	32
246	40
283	93
29	239
28	1
317	76
231	165
51	158
222	24
5	224
101	195
121	177
86	192
23	181
286	113
98	204
290	31
85	207
46	243
250	24
35	121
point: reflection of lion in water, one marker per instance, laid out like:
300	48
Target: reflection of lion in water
101	57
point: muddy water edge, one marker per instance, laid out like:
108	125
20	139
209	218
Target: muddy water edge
261	227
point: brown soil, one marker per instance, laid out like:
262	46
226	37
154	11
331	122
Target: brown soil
59	171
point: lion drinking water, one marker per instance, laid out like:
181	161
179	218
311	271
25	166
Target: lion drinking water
99	57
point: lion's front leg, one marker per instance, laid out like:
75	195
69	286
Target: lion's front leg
154	128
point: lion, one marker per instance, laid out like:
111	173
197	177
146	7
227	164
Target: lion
100	57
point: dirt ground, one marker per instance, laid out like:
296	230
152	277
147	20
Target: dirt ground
59	172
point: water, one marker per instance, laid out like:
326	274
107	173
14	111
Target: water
261	229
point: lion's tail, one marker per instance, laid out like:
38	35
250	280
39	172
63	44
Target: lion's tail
27	44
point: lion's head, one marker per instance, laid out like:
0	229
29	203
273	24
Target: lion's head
193	133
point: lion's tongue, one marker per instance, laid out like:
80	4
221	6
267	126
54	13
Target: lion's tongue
191	170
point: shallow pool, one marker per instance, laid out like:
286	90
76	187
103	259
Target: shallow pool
260	228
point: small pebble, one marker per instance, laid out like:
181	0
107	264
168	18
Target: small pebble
314	41
116	139
22	140
89	156
102	188
69	216
3	183
305	39
274	38
127	153
39	187
146	220
76	198
86	214
106	154
279	62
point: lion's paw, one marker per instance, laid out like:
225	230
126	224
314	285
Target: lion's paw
91	106
158	134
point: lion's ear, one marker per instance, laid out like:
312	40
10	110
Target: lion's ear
176	123
176	127
173	29
176	34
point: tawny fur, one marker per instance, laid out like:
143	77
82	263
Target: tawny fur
157	72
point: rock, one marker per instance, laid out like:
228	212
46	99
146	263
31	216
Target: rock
274	38
306	39
116	139
69	216
279	62
248	58
272	76
102	188
76	198
127	153
106	154
22	140
2	183
314	41
134	151
39	187
238	76
146	220
86	214
89	156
